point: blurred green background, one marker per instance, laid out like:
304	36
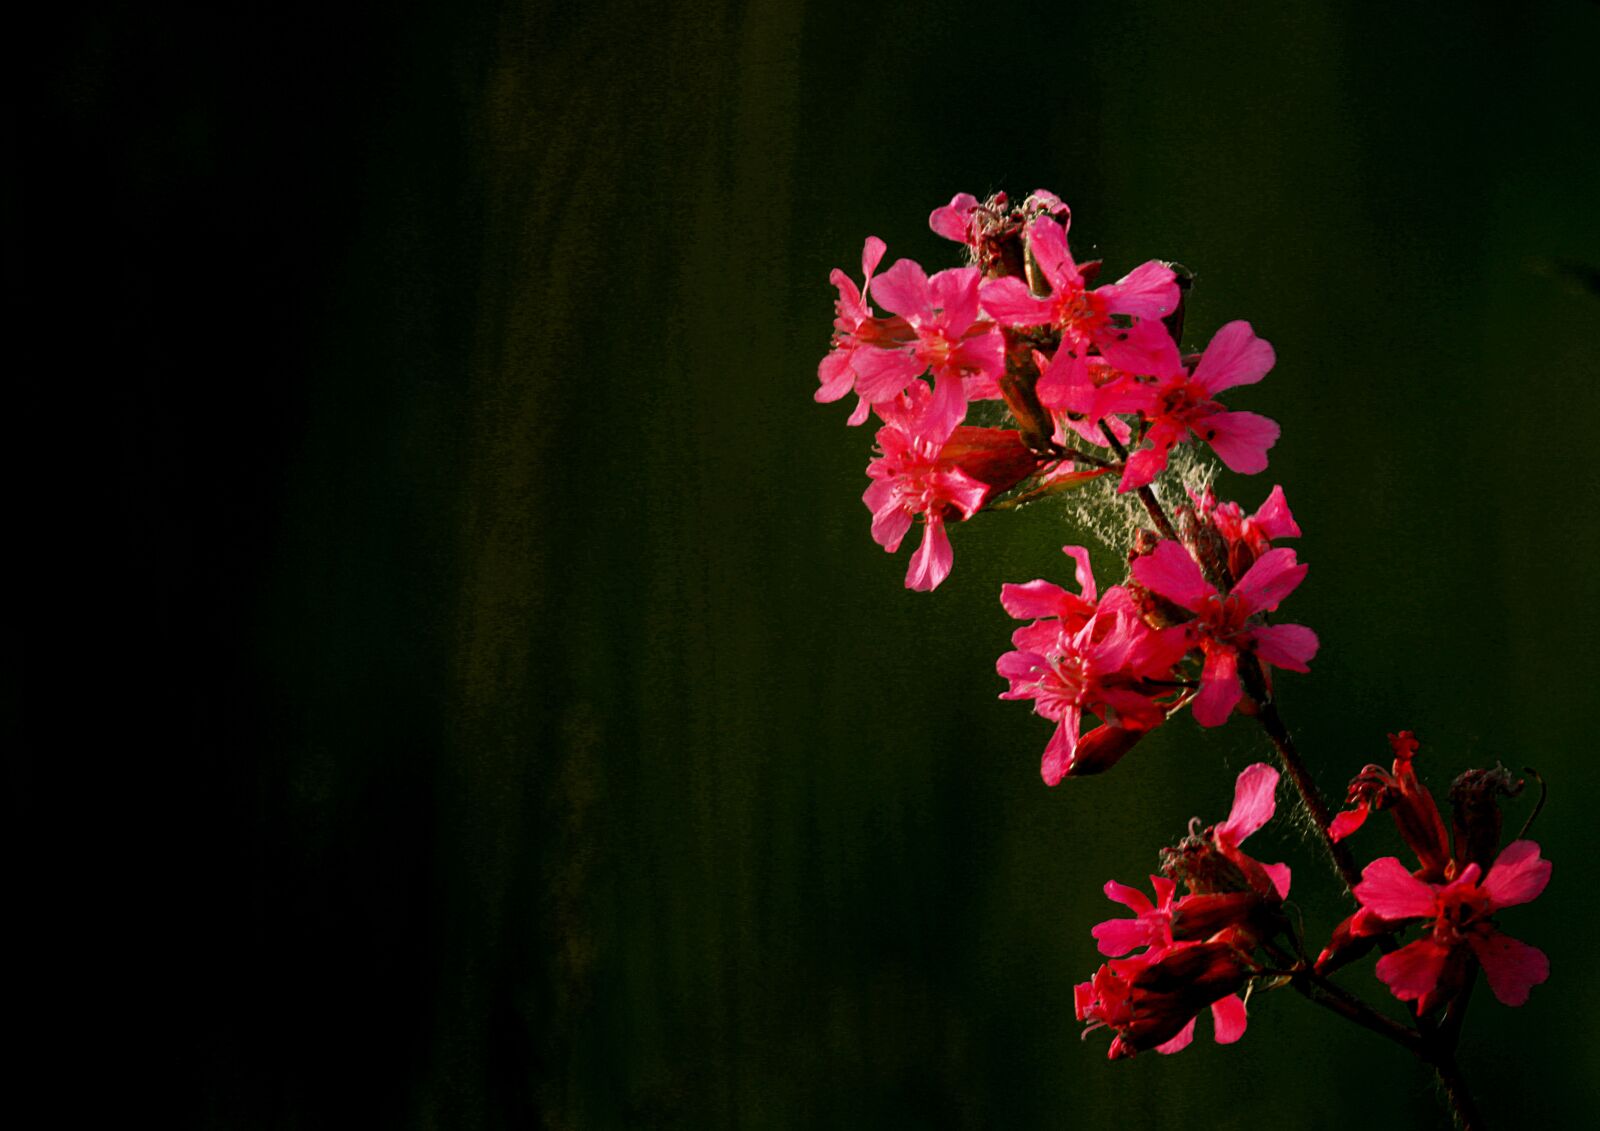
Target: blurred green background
476	700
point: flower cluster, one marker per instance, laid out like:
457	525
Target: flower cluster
1198	948
1092	384
1074	363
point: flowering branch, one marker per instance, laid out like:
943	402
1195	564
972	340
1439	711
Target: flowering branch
1082	368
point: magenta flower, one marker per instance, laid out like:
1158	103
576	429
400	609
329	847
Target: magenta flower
1185	403
871	355
1460	926
917	475
1121	320
1225	626
951	340
1087	655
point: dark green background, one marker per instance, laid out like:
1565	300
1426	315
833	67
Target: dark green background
461	690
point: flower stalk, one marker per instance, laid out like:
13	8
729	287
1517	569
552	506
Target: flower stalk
1099	391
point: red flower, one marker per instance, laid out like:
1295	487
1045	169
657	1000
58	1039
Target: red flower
1460	926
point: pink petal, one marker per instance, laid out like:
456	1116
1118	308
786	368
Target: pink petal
1512	967
1279	875
1389	890
1413	970
835	376
1254	801
1517	874
1181	1041
946	410
1346	823
1289	646
983	353
1038	598
1219	688
1240	439
1274	519
1273	577
1084	571
1048	241
890	520
1229	1016
1130	897
872	255
1062	378
1058	754
955	291
931	563
903	290
1009	302
1144	348
1150	290
1116	937
1143	466
951	220
881	374
1235	356
1171	572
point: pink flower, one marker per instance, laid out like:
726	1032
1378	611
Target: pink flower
917	475
1225	626
1185	403
951	340
1121	320
1460	925
1083	654
871	355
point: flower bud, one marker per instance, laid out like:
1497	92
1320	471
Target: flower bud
1475	798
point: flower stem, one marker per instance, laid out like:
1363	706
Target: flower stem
1462	1106
1146	495
1255	685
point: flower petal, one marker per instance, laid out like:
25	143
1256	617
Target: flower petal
951	220
1413	970
1219	688
1048	242
931	563
1229	1016
1389	890
1168	570
1254	801
903	290
1274	518
1512	967
1235	356
1058	755
1517	874
1273	577
1240	439
1289	646
1181	1041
